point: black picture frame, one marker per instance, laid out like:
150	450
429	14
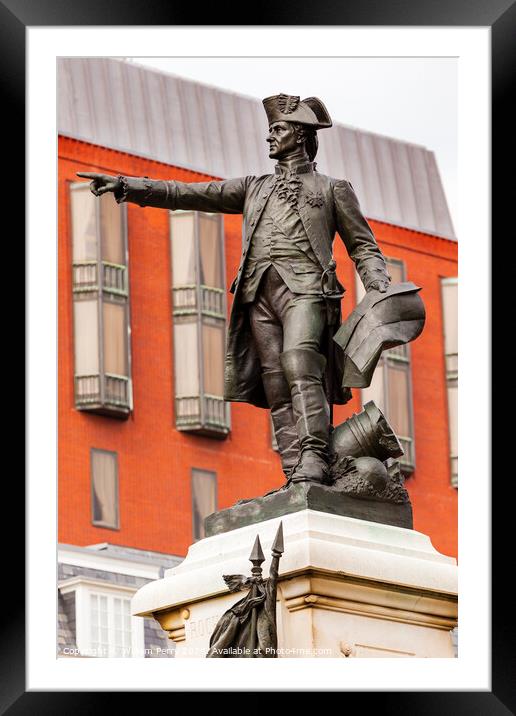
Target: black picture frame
500	16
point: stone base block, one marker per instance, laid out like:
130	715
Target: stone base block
307	496
348	588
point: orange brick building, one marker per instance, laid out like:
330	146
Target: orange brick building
154	456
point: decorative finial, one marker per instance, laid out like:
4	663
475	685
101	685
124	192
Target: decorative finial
257	557
278	547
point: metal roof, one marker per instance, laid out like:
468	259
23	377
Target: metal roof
188	124
129	554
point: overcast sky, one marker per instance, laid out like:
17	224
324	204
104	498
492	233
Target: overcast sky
414	99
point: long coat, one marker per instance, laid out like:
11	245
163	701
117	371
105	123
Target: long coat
326	206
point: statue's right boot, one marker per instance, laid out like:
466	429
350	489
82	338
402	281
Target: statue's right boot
277	392
304	370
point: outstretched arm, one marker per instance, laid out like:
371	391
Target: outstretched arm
214	196
359	239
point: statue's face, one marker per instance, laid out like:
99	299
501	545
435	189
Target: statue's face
282	139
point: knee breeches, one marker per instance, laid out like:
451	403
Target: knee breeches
282	320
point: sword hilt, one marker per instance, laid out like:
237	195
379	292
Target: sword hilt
331	292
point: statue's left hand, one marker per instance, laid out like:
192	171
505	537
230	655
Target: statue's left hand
378	285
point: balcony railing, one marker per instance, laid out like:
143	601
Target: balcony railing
117	398
184	300
209	416
216	412
188	411
212	301
114	278
84	276
87	389
117	390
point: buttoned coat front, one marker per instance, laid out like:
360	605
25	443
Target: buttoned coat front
325	205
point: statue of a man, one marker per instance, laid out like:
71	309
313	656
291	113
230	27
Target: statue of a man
280	353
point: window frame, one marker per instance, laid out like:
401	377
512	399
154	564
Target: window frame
100	523
84	587
102	294
451	377
204	422
213	474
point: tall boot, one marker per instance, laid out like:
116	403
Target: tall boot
304	371
278	396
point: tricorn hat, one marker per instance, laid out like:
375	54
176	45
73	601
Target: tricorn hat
380	321
289	108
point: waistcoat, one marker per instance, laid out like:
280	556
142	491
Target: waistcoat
280	240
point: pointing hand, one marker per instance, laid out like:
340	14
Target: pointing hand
101	183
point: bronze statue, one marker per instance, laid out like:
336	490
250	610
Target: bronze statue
248	628
280	349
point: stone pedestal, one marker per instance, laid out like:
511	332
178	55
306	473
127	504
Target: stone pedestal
348	588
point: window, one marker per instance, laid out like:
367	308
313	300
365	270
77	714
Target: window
100	288
449	293
104	488
104	624
199	315
204	499
391	386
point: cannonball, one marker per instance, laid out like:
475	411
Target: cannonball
372	470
